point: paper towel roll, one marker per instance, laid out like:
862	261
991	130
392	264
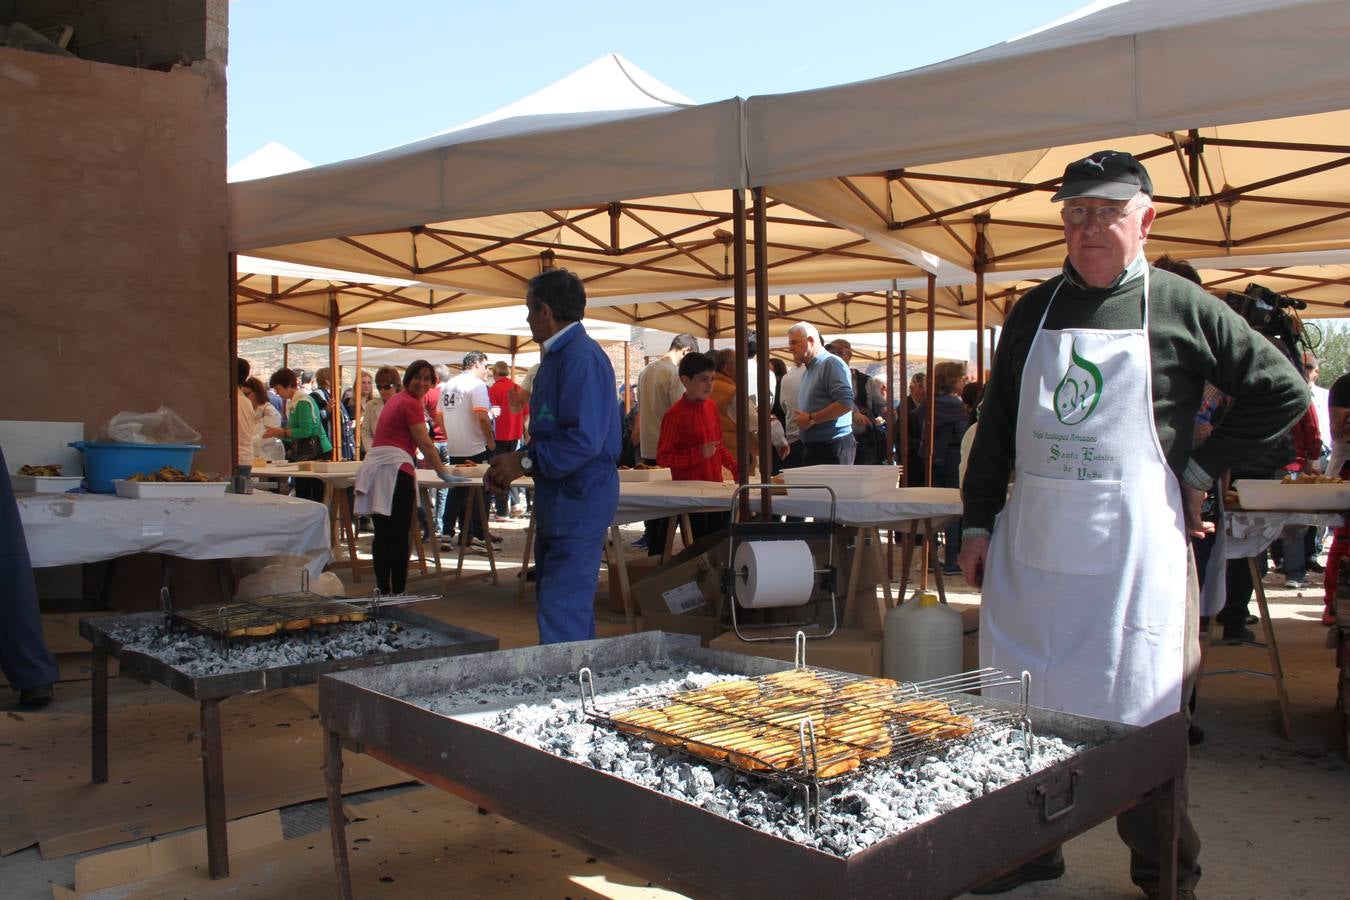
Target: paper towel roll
774	573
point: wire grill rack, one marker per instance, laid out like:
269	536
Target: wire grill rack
812	727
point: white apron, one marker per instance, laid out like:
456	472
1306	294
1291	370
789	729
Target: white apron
1085	581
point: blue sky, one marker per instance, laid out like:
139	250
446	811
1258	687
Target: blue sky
335	79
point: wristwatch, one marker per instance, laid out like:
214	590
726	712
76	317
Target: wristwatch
526	464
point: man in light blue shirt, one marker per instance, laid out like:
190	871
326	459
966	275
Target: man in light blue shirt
825	408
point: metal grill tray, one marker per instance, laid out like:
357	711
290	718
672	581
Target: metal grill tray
696	851
808	725
97	630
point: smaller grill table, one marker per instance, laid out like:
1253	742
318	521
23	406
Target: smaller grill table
688	848
210	690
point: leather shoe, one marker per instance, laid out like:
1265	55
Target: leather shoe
1043	868
36	697
1236	634
1195	735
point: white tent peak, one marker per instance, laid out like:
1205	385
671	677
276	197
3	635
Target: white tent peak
272	158
609	82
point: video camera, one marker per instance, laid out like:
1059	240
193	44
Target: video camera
1264	310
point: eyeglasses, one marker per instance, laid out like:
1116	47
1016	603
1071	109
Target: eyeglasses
1106	216
386	387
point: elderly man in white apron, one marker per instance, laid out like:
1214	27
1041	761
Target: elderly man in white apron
1087	578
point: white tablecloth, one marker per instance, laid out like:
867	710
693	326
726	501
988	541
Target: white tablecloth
65	529
898	506
1252	530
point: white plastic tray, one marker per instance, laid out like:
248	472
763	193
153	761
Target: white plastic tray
631	475
848	482
343	468
46	484
1262	494
140	490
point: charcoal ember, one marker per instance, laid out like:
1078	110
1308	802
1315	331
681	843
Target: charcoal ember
878	802
200	655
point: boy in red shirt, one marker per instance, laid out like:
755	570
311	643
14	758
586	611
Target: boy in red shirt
691	432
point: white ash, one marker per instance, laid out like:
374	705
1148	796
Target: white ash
881	800
200	655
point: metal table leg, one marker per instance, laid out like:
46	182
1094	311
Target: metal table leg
99	714
213	786
337	821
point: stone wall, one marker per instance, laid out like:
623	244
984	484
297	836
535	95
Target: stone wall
140	33
113	244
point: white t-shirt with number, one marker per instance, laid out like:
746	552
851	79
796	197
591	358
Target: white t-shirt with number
462	398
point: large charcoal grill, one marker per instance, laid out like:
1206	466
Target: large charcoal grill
687	848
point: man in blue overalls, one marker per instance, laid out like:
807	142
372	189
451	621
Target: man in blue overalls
1088	582
572	457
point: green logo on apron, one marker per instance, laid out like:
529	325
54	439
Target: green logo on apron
1079	390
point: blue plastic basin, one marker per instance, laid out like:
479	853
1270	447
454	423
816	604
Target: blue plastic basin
107	460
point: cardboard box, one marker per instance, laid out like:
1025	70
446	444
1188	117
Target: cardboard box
848	650
638	569
685	595
690	581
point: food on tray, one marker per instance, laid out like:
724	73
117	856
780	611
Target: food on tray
171	474
1312	479
51	470
756	724
643	467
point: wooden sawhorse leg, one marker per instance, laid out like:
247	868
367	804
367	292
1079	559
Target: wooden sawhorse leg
523	575
1276	671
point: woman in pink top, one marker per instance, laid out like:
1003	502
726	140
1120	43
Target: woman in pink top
402	424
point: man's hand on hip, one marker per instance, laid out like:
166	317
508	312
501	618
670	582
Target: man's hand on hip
974	552
1192	501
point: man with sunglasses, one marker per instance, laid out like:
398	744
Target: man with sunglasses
1088	581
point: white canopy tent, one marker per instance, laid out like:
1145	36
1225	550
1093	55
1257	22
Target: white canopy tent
1127	67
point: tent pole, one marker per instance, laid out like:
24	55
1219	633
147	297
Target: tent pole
981	255
742	337
903	388
890	416
357	399
334	379
762	353
979	323
232	272
627	347
286	355
930	424
890	367
515	343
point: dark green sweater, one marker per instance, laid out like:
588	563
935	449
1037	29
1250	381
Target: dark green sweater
1193	337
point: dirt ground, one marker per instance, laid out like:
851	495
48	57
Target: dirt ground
1273	814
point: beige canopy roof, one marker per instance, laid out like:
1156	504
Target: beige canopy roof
960	159
274	298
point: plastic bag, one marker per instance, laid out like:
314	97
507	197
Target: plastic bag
163	426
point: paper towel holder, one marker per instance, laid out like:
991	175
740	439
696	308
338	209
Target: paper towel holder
826	577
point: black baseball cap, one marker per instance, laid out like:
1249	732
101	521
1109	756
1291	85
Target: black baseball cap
1107	175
